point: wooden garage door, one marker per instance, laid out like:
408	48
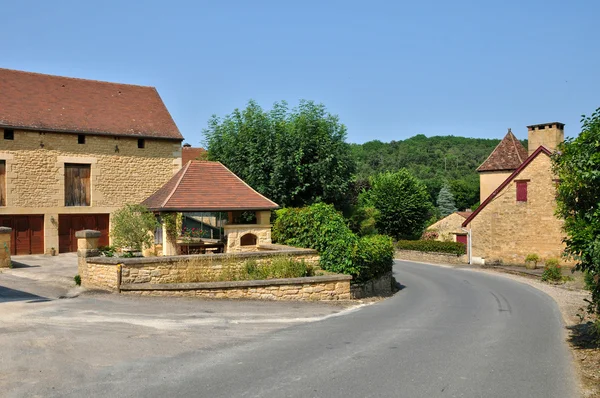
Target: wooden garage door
68	224
27	235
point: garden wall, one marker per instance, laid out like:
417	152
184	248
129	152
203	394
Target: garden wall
431	257
382	286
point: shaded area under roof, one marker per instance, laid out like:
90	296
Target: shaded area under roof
35	101
206	186
508	155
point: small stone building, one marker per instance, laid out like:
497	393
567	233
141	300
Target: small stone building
211	188
449	228
72	151
517	217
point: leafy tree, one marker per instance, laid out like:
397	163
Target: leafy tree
402	202
577	165
295	157
133	227
445	201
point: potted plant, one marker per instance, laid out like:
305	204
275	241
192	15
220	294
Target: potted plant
53	251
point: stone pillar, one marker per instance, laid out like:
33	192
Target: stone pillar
5	247
87	246
169	247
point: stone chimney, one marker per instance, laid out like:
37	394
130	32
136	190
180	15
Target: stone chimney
547	134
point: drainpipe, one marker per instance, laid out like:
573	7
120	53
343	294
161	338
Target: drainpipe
469	242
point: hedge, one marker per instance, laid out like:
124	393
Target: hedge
322	228
432	246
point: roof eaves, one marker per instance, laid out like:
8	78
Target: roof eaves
541	149
184	170
99	133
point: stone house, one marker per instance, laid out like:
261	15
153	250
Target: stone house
72	151
449	228
517	216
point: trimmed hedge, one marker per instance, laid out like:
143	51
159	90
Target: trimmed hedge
322	228
432	246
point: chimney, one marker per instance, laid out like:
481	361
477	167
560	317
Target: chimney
547	134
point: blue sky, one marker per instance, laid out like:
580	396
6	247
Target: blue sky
389	69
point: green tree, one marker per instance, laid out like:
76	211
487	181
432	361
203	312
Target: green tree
132	227
295	157
577	165
445	201
402	202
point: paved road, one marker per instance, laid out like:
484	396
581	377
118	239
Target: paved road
448	333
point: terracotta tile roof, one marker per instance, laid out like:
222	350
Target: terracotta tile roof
190	153
508	155
464	214
54	103
206	186
541	149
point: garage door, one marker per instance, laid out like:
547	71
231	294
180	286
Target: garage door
68	224
27	236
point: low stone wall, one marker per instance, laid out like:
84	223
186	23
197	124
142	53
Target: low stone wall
5	247
382	286
328	288
431	257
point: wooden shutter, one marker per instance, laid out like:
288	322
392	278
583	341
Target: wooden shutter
77	184
2	183
521	191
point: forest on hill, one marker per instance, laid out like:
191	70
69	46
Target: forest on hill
434	160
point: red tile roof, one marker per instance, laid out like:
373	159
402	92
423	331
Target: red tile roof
54	103
206	186
190	153
508	155
541	149
464	214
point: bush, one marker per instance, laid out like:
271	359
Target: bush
589	280
373	256
77	280
432	246
133	227
322	228
107	251
552	271
279	268
532	259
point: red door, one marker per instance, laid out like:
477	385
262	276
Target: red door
462	239
68	224
27	235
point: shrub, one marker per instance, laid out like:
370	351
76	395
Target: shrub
77	280
280	267
432	246
322	228
107	251
133	227
532	259
589	280
373	256
552	271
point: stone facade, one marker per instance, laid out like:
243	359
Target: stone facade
5	247
120	173
506	230
235	233
489	181
430	257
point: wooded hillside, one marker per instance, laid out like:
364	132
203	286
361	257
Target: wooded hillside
432	160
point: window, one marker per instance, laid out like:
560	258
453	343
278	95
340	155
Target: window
77	184
81	139
2	182
141	143
521	191
9	134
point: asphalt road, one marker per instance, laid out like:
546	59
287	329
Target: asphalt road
448	333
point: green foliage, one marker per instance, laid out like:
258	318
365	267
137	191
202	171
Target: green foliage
364	220
589	279
280	267
531	260
373	256
107	251
173	224
322	228
77	280
402	202
445	201
433	160
577	165
432	246
133	227
295	157
552	271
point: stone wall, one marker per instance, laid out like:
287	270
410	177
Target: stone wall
507	231
489	181
382	286
235	232
431	257
120	173
328	288
5	247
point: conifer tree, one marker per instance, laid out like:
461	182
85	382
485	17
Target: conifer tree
445	201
